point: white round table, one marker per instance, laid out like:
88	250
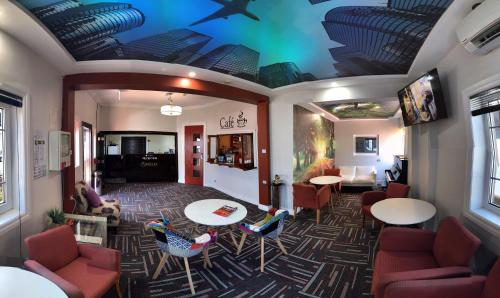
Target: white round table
201	212
325	180
402	212
18	283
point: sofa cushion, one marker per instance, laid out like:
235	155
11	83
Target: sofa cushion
363	180
392	261
109	208
364	170
347	171
347	179
82	205
92	281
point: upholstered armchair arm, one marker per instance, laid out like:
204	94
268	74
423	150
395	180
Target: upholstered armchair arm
468	287
372	197
70	289
406	239
101	257
425	274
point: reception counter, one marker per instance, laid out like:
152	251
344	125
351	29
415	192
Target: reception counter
141	167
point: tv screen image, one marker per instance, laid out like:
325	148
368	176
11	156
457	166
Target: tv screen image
422	101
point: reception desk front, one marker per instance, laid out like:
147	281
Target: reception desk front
141	167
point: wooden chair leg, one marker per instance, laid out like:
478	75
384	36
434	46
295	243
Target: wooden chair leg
318	214
188	271
261	254
242	241
206	259
117	288
281	246
161	265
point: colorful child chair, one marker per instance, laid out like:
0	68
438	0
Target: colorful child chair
270	227
173	243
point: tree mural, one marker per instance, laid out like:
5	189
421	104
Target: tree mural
314	144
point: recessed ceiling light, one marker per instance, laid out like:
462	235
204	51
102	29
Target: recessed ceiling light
184	82
192	74
335	84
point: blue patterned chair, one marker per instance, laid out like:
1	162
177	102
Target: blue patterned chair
270	227
173	243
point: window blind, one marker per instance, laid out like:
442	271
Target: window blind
11	99
485	102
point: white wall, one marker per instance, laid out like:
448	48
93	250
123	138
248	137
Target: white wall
126	118
86	111
235	182
439	150
26	72
391	142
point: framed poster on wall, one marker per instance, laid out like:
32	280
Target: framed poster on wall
365	144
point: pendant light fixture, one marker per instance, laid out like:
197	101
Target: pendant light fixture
170	109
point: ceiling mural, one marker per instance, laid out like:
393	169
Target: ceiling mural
273	43
361	110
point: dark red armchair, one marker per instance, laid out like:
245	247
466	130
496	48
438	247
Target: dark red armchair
465	287
307	196
334	172
394	190
414	254
80	270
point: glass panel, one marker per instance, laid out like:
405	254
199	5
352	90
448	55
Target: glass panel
247	149
495	196
196	149
196	173
196	137
196	161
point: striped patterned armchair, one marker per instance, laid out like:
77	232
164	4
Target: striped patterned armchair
173	243
270	227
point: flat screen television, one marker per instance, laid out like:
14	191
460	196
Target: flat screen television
422	101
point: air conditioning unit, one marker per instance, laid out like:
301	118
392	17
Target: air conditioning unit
479	32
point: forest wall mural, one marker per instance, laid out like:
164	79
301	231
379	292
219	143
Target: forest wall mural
313	144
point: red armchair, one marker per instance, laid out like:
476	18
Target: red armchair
334	172
413	254
394	190
466	287
80	270
306	196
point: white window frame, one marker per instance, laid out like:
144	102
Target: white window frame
476	205
10	179
20	208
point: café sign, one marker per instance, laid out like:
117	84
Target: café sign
232	122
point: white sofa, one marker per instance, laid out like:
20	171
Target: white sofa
358	175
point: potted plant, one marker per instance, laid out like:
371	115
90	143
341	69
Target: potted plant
55	217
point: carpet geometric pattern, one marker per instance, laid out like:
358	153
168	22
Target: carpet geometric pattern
331	259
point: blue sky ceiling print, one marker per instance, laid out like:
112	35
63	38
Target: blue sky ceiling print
273	43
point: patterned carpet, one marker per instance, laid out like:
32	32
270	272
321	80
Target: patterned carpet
331	259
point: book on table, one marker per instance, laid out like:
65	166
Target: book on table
225	210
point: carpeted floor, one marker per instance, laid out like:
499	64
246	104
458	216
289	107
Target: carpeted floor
331	259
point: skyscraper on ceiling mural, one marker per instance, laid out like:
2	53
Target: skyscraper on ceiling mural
253	40
237	60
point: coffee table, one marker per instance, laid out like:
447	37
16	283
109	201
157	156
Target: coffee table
401	212
89	229
201	212
18	283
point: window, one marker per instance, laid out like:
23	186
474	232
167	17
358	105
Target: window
8	194
494	138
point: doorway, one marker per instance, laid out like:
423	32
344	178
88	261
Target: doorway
194	149
87	152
